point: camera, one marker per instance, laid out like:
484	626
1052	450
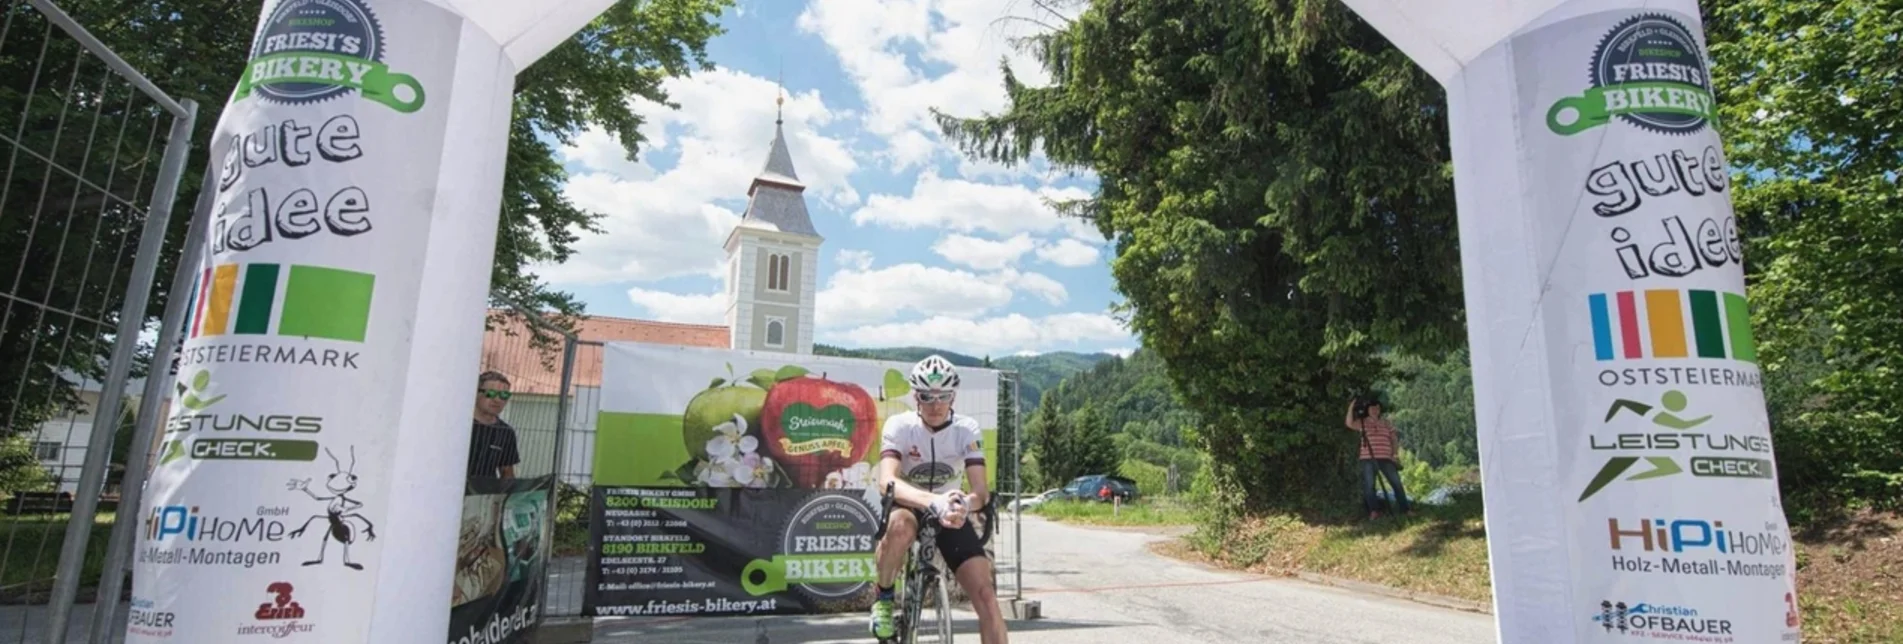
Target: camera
1362	403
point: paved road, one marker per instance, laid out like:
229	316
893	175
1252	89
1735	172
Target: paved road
1105	585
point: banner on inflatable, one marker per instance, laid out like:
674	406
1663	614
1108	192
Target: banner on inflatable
1625	446
501	560
330	349
735	482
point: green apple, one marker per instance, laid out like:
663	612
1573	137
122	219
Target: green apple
716	405
892	396
889	407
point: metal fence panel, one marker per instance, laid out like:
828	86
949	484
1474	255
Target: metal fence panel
552	410
93	153
1010	542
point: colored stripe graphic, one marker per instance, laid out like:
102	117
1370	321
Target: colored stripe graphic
328	303
1738	316
224	280
1601	327
202	291
1667	321
1707	327
254	307
304	301
1720	323
191	311
1629	325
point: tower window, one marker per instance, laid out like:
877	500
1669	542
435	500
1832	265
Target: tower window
776	332
779	272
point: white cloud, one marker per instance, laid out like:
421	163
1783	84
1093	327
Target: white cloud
722	133
983	254
601	152
1043	287
855	297
859	296
994	335
1068	252
1123	352
857	260
686	309
877	42
965	206
910	149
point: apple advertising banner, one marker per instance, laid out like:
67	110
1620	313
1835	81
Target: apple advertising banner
501	560
735	482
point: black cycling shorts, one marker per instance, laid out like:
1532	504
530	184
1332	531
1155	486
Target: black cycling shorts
956	546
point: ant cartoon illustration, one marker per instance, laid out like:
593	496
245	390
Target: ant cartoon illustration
341	508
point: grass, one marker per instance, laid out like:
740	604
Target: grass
1440	550
1142	512
1850	574
29	555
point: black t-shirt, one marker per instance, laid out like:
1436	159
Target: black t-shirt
491	448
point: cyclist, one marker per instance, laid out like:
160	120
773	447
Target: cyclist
926	453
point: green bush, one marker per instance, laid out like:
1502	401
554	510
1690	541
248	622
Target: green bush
1151	480
20	470
1421	478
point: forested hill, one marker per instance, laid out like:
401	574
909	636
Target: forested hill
1039	372
1132	394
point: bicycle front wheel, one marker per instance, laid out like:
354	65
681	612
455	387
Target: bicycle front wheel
936	626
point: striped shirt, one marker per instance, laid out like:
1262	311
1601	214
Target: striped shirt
1380	439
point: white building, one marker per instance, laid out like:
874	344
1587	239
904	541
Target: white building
60	443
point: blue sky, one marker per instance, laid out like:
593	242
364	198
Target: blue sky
923	246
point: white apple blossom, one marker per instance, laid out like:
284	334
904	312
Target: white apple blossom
731	458
852	478
731	440
712	475
754	470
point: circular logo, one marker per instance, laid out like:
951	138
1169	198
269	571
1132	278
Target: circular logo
1651	73
831	537
323	48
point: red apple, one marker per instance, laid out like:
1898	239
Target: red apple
814	426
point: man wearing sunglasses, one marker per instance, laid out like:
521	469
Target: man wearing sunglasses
927	454
492	451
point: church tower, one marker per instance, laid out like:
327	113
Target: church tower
773	260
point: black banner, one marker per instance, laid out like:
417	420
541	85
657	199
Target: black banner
501	561
728	551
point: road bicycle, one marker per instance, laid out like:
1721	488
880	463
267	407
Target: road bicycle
921	585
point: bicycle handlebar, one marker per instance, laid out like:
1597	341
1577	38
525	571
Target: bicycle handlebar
888	499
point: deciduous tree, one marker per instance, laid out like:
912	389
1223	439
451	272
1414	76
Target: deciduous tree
1276	180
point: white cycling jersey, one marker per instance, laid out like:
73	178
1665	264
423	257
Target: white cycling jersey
932	460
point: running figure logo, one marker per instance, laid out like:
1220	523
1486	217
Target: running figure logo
340	511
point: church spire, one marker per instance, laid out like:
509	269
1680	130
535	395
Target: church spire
776	199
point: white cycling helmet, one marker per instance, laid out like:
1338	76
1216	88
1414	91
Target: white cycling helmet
934	374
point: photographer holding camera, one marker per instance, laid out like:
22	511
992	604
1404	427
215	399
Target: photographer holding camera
1379	445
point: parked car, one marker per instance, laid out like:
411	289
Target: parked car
1032	501
1090	488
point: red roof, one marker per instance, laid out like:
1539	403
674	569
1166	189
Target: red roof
508	347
